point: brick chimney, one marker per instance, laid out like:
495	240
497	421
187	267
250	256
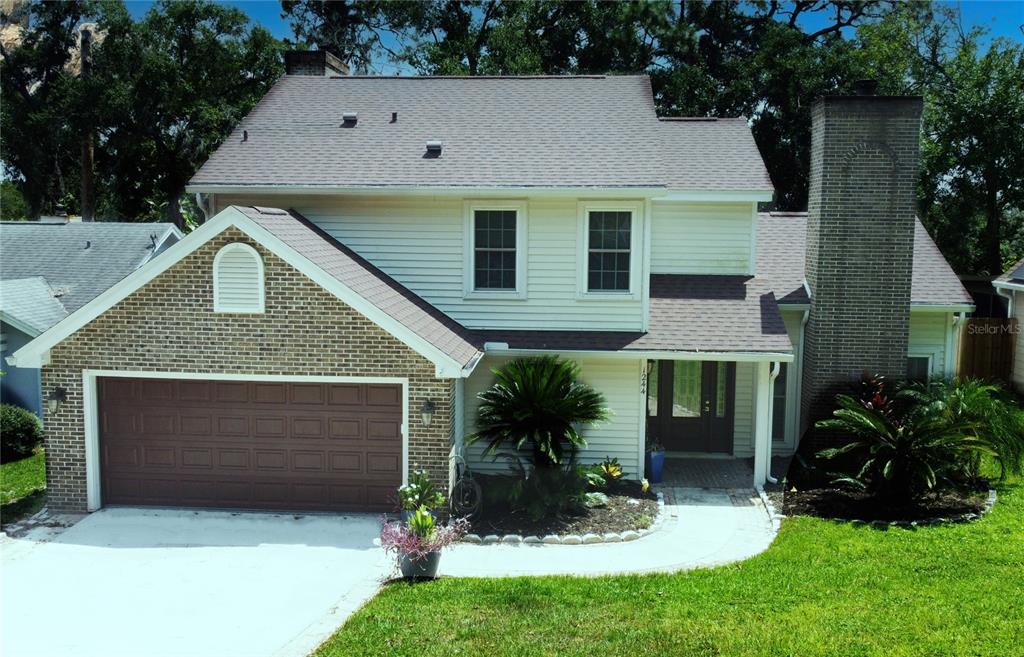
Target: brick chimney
860	243
313	62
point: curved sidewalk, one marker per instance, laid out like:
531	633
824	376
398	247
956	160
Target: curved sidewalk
703	528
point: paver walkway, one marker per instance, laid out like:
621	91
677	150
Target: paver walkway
703	528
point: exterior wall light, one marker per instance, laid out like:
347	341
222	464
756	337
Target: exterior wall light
427	412
56	397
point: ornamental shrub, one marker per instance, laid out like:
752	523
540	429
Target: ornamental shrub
20	432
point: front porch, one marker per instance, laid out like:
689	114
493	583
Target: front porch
717	473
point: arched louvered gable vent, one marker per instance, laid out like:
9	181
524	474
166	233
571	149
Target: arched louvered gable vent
238	280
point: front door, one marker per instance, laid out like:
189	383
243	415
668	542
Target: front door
690	405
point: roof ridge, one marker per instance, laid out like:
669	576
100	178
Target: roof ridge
595	76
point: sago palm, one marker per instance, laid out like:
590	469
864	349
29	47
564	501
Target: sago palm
902	456
996	418
538	403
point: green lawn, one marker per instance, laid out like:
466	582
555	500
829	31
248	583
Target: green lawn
22	487
823	588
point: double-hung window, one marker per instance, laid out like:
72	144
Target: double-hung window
611	240
496	247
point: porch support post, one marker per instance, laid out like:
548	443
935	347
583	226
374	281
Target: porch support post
762	432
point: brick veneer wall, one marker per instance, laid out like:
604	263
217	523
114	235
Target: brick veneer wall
313	62
169	325
860	244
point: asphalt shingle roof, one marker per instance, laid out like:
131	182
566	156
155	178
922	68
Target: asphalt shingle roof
688	314
31	302
367	281
589	131
781	240
79	260
1015	273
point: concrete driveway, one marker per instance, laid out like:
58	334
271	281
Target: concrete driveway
140	583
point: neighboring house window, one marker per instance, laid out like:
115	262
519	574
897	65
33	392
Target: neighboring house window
919	368
610	246
496	244
3	341
238	280
779	404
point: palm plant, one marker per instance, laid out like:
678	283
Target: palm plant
996	418
903	455
538	403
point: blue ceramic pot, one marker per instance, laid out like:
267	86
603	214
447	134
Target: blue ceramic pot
655	464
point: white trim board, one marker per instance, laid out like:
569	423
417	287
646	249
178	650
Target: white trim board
90	411
36	352
498	349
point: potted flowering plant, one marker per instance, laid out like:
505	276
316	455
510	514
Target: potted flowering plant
418	542
655	460
419	492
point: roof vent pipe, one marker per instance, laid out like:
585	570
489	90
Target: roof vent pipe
434	147
394	117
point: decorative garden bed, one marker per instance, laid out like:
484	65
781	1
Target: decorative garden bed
628	509
840	504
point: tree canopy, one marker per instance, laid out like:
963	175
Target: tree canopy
168	88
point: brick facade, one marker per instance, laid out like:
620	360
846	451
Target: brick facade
169	325
860	243
313	62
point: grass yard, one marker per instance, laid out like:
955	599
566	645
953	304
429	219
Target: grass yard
22	487
823	588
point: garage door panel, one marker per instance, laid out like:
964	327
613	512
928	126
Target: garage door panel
240	444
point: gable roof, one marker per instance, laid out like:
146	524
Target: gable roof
334	267
28	305
539	132
688	313
1013	277
781	258
79	260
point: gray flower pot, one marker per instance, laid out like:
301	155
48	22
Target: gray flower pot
424	568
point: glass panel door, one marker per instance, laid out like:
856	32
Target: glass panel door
686	388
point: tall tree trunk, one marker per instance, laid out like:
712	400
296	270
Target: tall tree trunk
992	256
88	201
174	210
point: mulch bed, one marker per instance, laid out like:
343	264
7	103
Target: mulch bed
628	508
853	505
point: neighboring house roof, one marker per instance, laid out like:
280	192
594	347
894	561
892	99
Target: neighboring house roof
721	314
317	255
366	280
28	305
1014	277
544	132
79	260
781	244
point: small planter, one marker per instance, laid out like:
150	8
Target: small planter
655	464
423	568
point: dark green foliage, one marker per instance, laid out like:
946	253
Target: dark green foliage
20	432
548	492
12	204
900	456
993	414
538	404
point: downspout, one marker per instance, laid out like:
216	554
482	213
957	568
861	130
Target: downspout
954	355
776	368
201	201
1008	295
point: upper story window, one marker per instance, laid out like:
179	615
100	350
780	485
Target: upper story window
238	280
496	249
610	240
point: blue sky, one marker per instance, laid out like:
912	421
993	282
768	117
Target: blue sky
1003	18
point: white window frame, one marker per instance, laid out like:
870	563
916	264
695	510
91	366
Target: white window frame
469	232
636	237
218	306
930	355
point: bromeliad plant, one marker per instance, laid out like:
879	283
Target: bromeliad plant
902	453
538	403
420	492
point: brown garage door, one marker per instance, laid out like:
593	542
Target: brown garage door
250	444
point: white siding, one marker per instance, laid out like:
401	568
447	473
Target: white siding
618	379
701	238
929	332
746	393
420	242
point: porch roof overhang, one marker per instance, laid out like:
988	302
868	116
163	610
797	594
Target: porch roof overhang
734	318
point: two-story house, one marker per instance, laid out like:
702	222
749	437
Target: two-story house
376	245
